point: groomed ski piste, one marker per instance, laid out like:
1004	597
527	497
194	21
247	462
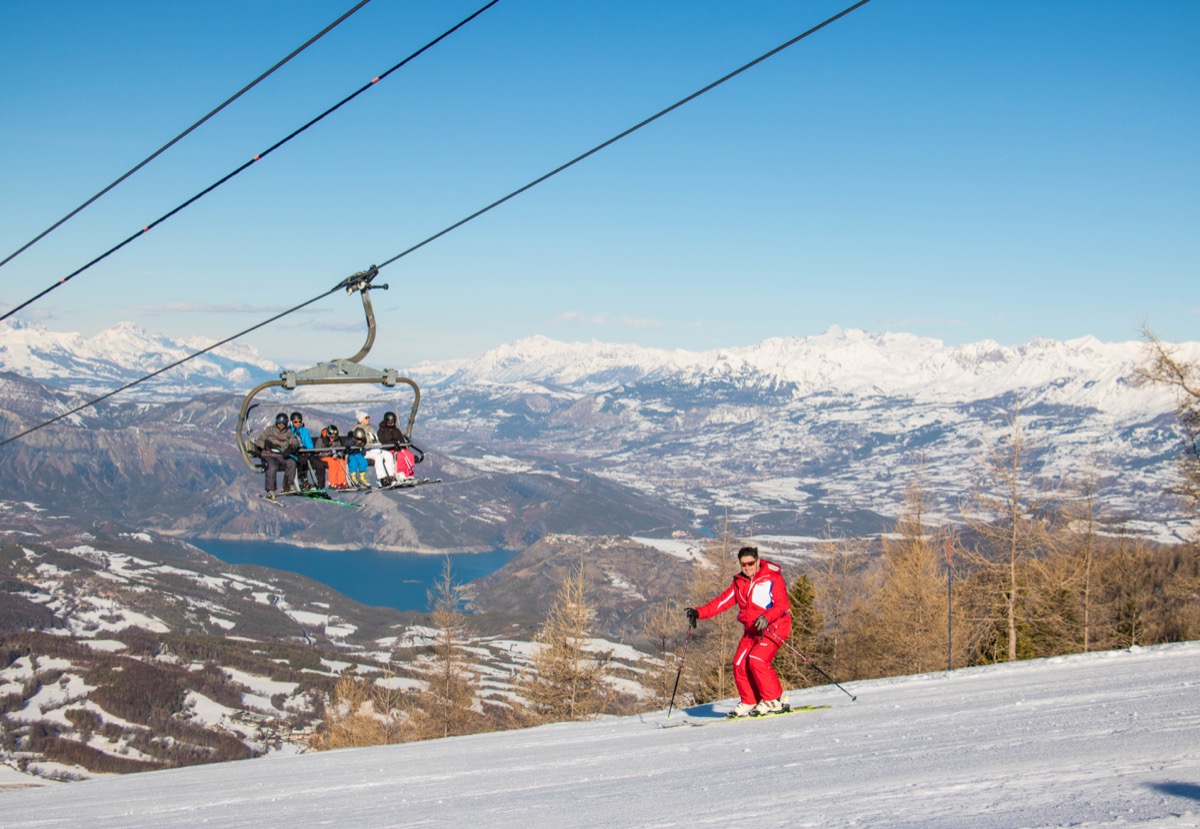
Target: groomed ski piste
1094	740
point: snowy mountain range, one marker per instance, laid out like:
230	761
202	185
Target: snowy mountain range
797	436
1083	371
124	353
844	361
800	435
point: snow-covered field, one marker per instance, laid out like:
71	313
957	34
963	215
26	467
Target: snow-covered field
1098	740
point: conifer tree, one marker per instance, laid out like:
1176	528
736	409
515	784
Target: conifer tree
911	600
665	630
842	599
1078	544
360	712
1010	520
807	637
447	704
1165	367
567	679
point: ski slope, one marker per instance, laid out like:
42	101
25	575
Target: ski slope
1097	740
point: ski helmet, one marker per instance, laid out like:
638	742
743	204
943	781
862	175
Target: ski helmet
389	418
281	419
297	416
360	434
333	430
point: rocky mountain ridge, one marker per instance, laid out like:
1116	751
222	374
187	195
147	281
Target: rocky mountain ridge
123	353
846	361
798	436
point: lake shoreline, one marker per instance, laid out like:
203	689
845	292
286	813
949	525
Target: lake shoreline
192	538
399	579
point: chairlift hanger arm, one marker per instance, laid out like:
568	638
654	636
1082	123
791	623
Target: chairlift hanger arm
361	282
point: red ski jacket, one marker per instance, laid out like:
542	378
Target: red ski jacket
763	594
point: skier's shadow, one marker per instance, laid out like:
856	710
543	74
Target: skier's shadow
1177	789
704	712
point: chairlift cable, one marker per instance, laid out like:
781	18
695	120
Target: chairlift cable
627	132
458	224
166	368
182	135
257	157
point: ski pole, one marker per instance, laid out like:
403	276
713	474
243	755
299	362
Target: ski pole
810	663
678	673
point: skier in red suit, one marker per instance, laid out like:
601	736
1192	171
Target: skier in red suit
760	593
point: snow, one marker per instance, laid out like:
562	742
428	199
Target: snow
498	463
207	711
1094	740
679	548
842	360
21	669
107	615
261	685
307	617
400	683
12	778
122	352
48	698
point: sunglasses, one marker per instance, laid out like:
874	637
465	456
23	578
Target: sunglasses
748	563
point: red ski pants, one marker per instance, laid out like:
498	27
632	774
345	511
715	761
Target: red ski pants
752	672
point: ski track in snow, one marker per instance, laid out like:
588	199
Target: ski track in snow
1097	740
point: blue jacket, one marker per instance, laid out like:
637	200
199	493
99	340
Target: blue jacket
301	433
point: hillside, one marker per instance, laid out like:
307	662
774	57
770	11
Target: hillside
1101	740
173	467
122	650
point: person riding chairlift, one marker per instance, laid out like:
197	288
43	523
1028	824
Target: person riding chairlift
392	440
333	456
277	444
312	471
406	464
357	443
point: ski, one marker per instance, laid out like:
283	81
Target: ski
694	723
320	495
409	483
328	499
787	709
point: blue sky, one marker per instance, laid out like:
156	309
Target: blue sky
961	170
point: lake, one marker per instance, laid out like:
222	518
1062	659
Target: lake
399	580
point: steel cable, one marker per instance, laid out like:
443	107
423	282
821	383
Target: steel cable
182	135
257	157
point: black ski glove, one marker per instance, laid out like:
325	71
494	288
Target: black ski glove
760	624
692	615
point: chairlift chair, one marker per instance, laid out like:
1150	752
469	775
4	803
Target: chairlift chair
336	372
